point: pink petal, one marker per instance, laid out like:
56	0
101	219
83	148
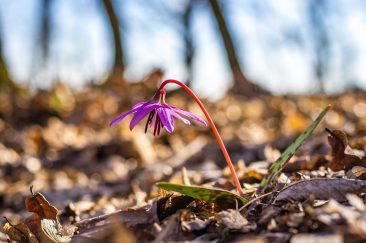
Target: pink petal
119	118
166	119
187	114
141	113
176	115
140	104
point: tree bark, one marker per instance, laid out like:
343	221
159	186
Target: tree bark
45	29
316	11
115	25
6	82
241	84
189	48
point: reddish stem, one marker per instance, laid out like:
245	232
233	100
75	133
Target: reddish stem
214	130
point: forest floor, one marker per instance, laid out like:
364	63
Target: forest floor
102	179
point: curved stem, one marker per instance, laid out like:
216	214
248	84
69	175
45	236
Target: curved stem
213	128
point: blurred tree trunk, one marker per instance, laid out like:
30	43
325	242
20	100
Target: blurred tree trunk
316	13
241	84
118	65
188	43
45	29
6	82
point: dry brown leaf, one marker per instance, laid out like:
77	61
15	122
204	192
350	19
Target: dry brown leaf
324	238
110	229
232	219
19	233
195	224
357	172
356	220
46	230
170	229
343	158
43	222
321	189
130	217
356	202
38	204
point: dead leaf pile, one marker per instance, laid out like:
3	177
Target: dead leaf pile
103	179
41	226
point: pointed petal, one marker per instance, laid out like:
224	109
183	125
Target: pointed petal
188	114
138	105
176	115
141	113
133	109
166	119
120	117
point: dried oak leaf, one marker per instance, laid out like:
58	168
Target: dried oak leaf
232	219
195	225
321	189
19	233
357	172
38	204
43	222
356	219
343	157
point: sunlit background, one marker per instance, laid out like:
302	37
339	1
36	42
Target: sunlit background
283	46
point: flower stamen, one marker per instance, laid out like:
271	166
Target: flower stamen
149	120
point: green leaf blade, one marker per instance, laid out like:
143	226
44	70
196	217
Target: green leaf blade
289	152
222	198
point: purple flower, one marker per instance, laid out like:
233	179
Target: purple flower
159	115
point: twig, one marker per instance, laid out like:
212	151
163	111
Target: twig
255	199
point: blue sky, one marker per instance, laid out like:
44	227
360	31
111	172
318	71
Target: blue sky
81	47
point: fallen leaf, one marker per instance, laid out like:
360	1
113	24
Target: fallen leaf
343	157
232	219
38	204
321	189
267	214
139	217
356	202
325	238
111	229
356	220
222	198
289	152
43	222
19	233
169	232
195	224
167	206
130	217
357	172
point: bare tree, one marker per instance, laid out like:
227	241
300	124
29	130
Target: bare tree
182	20
6	82
241	83
118	65
45	29
316	13
188	42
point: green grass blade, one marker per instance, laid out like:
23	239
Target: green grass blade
289	152
222	198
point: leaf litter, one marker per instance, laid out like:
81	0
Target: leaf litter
102	181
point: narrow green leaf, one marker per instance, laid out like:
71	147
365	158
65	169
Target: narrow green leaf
222	198
289	152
